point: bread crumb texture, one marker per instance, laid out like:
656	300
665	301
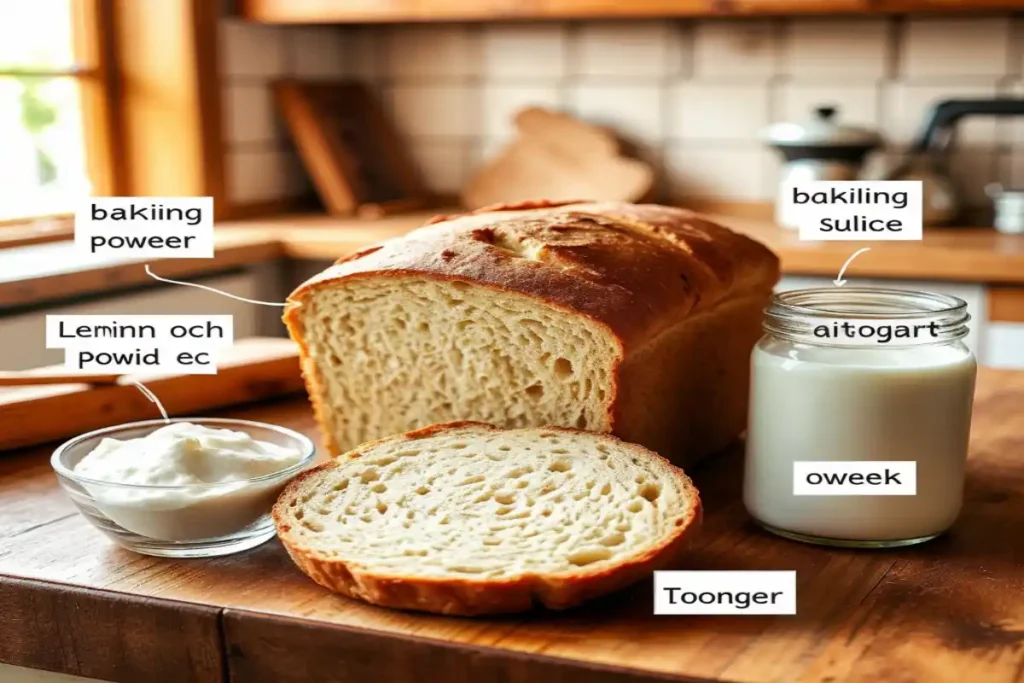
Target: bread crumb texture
475	503
400	353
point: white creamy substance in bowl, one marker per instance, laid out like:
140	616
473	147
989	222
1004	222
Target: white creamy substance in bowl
184	481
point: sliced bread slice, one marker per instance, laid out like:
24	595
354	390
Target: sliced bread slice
466	518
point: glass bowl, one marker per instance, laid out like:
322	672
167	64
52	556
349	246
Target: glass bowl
193	520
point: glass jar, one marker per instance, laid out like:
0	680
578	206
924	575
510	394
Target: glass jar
838	417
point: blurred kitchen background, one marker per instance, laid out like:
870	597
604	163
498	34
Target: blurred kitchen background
180	97
694	96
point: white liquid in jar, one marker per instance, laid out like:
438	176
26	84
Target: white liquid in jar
855	404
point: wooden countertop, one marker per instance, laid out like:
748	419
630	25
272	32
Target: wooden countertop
949	610
37	273
961	254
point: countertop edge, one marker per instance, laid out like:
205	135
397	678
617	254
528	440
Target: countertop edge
81	638
259	650
240	644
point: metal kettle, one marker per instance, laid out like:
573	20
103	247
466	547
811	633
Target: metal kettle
820	148
928	159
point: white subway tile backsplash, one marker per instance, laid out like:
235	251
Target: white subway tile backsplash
703	111
534	52
1011	170
248	114
680	50
318	52
437	110
256	50
746	48
417	52
442	163
257	175
771	173
500	103
695	95
633	111
1013	128
366	52
961	46
482	151
726	173
857	104
259	166
907	105
634	50
855	48
972	170
1017	45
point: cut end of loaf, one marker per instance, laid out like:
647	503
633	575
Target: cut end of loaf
389	354
634	319
470	519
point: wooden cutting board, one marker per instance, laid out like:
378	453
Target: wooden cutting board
253	369
560	158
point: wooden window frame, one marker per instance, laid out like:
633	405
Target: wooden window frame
151	114
93	45
94	75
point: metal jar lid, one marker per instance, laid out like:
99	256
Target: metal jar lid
822	137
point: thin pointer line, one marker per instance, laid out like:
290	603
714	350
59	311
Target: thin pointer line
849	261
210	289
152	397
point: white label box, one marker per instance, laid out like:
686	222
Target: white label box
145	227
877	331
103	332
128	343
187	360
725	592
856	210
855	478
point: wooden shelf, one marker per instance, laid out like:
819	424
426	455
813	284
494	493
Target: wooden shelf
395	11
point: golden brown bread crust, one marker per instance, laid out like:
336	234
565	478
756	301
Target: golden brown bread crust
637	268
474	597
640	270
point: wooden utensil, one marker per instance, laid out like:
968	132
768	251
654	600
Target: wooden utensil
350	148
32	378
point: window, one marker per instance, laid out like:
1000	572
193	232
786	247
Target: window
54	116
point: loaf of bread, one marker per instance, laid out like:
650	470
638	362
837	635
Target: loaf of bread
632	319
465	518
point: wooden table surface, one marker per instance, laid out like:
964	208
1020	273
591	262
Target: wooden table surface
949	610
